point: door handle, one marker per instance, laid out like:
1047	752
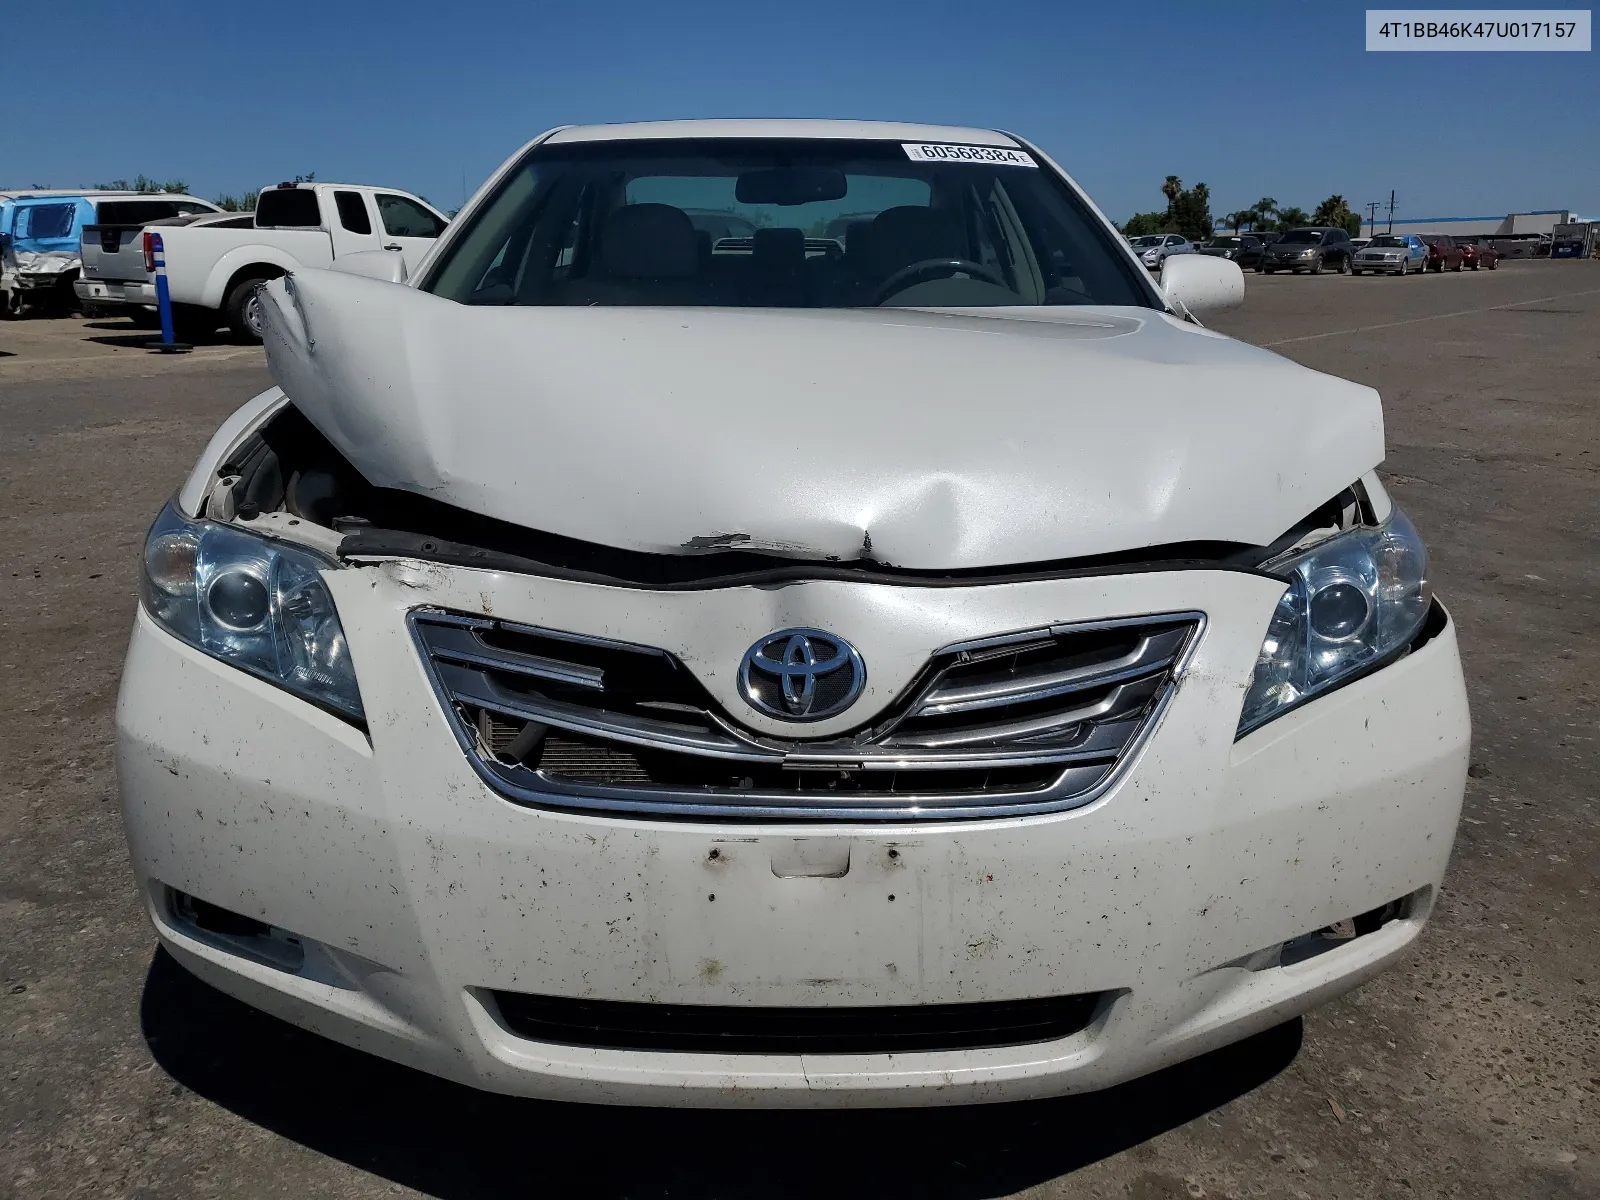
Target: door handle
393	246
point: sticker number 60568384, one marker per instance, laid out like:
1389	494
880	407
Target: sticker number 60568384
999	155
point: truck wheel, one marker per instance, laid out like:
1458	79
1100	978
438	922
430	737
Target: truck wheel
243	309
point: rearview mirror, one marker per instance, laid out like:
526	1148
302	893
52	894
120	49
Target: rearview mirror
1202	283
788	186
387	265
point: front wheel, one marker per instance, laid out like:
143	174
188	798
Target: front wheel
1494	264
1355	270
1344	265
243	309
1460	263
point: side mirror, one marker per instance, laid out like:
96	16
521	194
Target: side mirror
387	265
1202	282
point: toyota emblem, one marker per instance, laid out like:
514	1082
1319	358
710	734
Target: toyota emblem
801	675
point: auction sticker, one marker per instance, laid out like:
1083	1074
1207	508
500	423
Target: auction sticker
936	152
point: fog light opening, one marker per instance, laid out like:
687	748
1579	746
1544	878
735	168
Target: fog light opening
235	932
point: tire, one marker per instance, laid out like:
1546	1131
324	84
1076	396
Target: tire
1494	264
1404	263
242	311
10	305
1268	270
1357	271
1316	266
1460	264
1344	265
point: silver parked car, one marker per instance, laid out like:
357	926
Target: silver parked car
1155	248
1391	254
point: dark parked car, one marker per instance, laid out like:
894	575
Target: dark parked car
1309	249
1443	251
1479	254
1244	248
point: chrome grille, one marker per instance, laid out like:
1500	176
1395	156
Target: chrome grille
1035	721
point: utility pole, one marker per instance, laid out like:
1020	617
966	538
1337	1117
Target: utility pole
1391	210
1372	215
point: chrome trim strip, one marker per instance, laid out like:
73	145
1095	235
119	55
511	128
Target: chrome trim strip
1139	661
469	650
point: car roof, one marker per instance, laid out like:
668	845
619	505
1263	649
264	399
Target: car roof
888	131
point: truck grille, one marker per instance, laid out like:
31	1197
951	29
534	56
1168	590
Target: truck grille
1034	721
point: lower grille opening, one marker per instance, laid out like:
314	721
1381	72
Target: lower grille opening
709	1029
235	932
574	758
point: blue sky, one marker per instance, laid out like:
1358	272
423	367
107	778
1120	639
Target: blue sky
1255	100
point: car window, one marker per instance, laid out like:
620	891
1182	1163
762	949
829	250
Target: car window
1300	237
288	208
1174	241
404	217
44	221
778	222
142	212
352	208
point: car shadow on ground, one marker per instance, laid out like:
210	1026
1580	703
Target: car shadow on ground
451	1141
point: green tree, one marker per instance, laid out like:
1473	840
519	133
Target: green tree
1191	212
1265	209
1332	211
1188	212
143	183
244	203
1289	218
1142	223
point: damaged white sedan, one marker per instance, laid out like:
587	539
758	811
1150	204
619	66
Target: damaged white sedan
786	613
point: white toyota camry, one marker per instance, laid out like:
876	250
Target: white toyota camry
786	613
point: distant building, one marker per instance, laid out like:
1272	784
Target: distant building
1528	224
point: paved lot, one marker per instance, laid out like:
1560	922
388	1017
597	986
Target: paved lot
1472	1070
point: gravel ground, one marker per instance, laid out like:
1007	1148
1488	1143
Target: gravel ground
1471	1070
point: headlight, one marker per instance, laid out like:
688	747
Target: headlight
253	602
1352	601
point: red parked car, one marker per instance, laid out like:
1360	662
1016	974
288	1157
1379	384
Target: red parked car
1476	254
1443	252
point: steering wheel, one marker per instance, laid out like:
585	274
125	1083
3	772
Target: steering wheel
934	267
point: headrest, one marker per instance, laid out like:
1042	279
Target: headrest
901	236
649	241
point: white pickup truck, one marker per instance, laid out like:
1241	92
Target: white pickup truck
213	271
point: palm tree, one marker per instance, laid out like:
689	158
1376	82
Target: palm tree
1171	188
1290	217
1265	209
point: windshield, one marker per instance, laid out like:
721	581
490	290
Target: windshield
804	223
1386	239
1229	241
1301	235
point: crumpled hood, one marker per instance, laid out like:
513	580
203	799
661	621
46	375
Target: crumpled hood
916	439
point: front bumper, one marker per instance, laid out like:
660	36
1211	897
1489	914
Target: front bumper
37	281
416	891
111	292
